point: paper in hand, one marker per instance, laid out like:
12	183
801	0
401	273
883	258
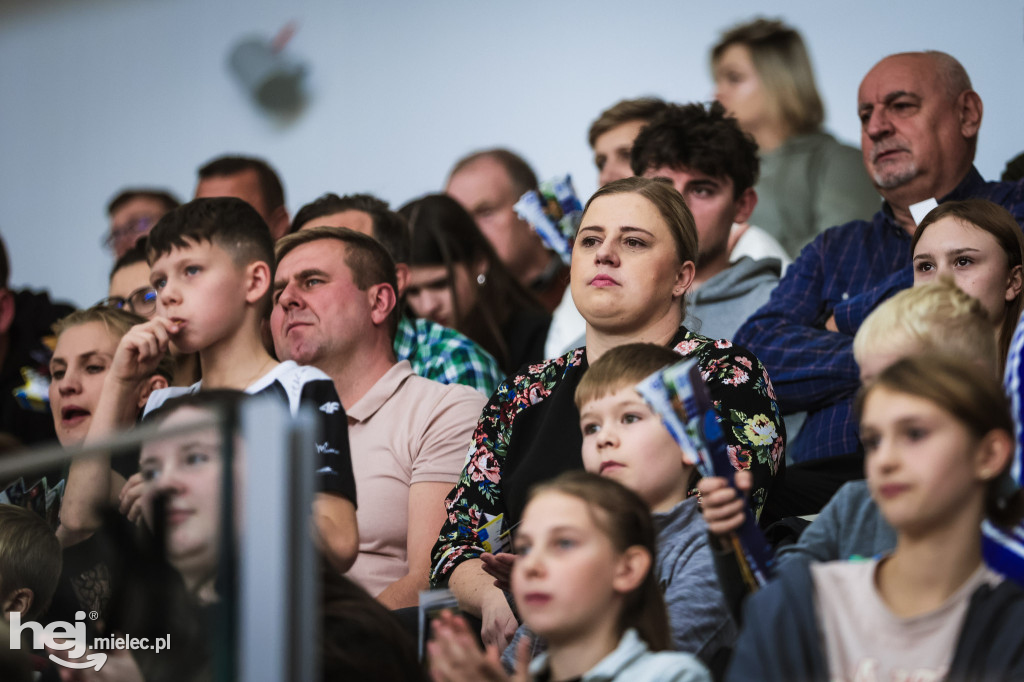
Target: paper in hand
680	397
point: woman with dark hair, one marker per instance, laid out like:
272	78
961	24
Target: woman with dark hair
458	281
632	263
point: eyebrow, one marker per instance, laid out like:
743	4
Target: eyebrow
563	528
624	228
300	276
889	99
954	252
82	356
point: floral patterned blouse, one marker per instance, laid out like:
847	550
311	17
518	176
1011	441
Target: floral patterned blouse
529	432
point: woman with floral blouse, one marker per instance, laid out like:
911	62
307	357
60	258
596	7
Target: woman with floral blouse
632	263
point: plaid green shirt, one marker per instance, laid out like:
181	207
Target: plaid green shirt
444	355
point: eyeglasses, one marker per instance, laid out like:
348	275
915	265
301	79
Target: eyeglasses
136	227
142	302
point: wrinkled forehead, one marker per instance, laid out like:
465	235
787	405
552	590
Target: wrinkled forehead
910	73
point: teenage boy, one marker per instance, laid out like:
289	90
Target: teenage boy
714	166
212	266
130	290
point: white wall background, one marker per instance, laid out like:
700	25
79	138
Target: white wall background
99	94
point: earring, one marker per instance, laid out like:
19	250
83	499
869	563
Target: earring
481	278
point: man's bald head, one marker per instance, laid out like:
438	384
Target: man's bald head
919	125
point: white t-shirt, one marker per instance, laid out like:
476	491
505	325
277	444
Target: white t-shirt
866	642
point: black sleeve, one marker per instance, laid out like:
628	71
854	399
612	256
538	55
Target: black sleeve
334	460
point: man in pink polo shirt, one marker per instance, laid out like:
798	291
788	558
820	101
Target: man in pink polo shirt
334	308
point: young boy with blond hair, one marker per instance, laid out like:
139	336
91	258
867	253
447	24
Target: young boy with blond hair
212	265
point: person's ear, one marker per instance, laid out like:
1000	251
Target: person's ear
684	278
258	281
402	276
744	205
970	110
1013	283
993	454
151	384
6	310
631	569
18	600
382	301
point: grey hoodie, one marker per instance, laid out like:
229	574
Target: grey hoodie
724	302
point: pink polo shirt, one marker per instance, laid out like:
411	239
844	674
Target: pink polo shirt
405	430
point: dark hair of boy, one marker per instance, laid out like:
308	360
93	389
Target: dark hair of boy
30	557
389	228
136	254
168	200
698	137
270	184
368	260
227	222
620	367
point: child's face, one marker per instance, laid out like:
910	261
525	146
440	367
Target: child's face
79	363
187	470
624	440
203	289
920	462
565	575
973	259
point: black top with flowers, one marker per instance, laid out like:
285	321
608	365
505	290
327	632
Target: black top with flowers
529	432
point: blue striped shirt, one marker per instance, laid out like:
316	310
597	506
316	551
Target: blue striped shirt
846	271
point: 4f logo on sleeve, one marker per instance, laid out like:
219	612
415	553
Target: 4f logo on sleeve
331	407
